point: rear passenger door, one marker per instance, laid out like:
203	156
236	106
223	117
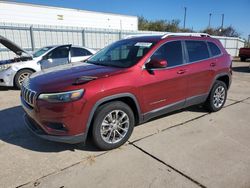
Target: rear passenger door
200	70
79	54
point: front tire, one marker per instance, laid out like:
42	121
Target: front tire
113	124
217	96
21	76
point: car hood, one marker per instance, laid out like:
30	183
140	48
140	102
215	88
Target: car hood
13	47
61	77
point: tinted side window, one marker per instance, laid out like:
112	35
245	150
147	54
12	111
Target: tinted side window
197	50
61	52
76	52
214	49
172	52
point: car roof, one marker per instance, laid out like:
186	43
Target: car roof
153	38
54	46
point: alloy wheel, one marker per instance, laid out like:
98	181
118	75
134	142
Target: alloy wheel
114	126
219	96
22	77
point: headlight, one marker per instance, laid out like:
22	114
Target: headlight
62	97
4	67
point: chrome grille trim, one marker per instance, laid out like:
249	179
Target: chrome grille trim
27	94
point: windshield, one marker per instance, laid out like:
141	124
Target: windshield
125	53
41	51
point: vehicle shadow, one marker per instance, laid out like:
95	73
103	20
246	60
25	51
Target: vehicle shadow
14	131
244	69
2	88
238	60
196	108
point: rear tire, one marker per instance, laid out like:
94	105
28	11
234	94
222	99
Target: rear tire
217	96
243	59
21	76
113	124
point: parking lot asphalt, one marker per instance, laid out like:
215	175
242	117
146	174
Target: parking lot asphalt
187	148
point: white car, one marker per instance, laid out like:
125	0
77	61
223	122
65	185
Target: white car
14	71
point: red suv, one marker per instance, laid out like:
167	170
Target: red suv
124	84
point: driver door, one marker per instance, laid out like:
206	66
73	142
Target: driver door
56	57
164	89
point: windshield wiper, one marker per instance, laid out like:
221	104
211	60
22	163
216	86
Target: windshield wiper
103	64
97	63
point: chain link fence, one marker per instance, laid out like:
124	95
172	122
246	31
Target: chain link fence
33	37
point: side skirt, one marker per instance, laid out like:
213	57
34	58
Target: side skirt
196	100
175	106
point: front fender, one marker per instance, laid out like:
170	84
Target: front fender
110	98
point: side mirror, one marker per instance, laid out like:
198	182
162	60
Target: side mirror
45	57
156	64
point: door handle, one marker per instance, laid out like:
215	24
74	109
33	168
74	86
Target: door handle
182	71
213	64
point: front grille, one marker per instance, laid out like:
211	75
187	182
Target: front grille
27	94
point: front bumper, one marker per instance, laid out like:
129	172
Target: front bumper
36	118
7	77
35	128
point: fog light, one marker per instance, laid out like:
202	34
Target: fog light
56	126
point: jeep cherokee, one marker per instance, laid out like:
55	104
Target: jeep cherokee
124	84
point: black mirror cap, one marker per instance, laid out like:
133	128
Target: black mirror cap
45	57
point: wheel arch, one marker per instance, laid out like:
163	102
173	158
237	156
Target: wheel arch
33	70
224	77
127	98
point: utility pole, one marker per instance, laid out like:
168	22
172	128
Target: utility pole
248	41
209	21
185	13
222	21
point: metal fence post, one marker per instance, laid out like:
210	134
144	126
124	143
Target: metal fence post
225	43
120	35
83	37
237	47
32	38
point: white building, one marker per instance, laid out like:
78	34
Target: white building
22	13
55	25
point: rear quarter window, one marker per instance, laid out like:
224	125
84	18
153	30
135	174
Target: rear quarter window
197	50
214	49
78	52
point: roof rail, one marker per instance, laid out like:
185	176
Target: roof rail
141	35
185	34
